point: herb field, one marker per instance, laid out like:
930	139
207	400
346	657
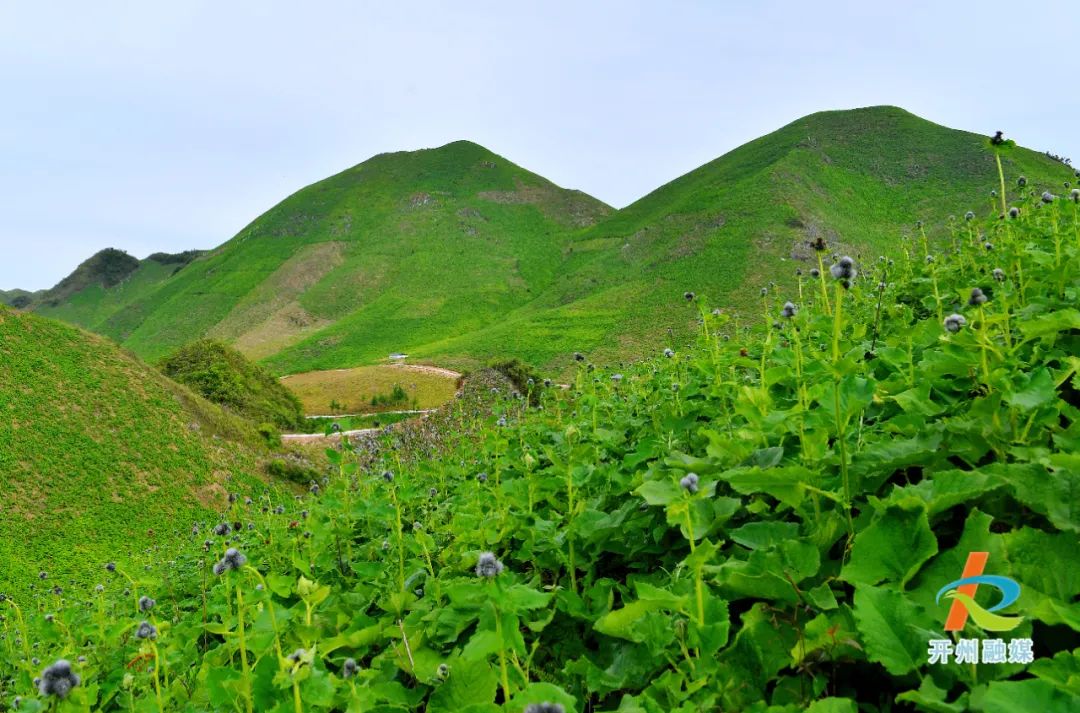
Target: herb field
757	521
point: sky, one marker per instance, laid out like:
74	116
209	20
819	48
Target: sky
166	126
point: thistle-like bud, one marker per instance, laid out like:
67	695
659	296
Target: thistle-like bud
999	274
954	323
789	310
146	630
1014	212
146	604
488	565
977	297
57	680
970	215
689	483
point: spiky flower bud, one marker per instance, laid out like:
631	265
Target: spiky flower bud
1014	212
1048	197
669	353
1022	181
1074	194
688	296
970	215
988	246
146	630
689	483
789	310
544	708
349	668
443	672
999	274
954	323
111	567
388	476
146	604
488	565
815	273
844	271
58	680
977	297
482	477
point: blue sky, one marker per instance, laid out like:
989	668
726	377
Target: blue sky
166	126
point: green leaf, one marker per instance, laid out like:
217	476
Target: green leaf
1037	390
1063	670
1030	696
833	705
542	693
931	698
890	627
470	682
661	491
893	547
1054	493
1051	324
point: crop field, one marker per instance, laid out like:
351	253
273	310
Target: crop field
773	516
351	390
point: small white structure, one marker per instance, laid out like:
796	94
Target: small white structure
397	356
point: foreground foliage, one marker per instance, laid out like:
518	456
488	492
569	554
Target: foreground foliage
760	522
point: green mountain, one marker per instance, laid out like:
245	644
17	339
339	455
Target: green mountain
101	454
457	256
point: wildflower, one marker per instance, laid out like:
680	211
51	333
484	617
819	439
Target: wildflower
818	244
547	383
578	356
111	567
1048	197
929	259
815	273
488	565
385	545
146	630
988	246
689	483
1075	195
789	310
221	529
482	477
297	656
764	291
233	497
998	138
43	575
616	378
1014	212
279	510
349	668
1022	181
432	492
999	274
417	525
335	427
146	603
544	708
844	271
501	422
970	215
58	680
977	297
443	672
233	559
99	588
689	296
954	323
669	353
388	476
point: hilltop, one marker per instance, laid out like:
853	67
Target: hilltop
101	454
457	256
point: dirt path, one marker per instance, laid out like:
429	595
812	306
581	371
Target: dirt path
308	437
437	370
371	413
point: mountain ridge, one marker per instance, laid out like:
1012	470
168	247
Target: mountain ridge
457	255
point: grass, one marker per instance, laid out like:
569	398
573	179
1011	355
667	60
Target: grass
761	520
353	423
101	455
351	390
457	256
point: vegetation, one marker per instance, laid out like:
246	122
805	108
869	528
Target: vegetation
225	376
353	423
759	522
352	390
100	455
457	256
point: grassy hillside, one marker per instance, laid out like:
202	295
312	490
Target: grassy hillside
226	377
400	250
102	294
862	180
97	450
457	256
352	390
764	521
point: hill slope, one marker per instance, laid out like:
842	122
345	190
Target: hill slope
400	250
97	448
860	179
455	255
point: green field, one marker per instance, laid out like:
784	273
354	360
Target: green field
352	390
762	518
457	256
